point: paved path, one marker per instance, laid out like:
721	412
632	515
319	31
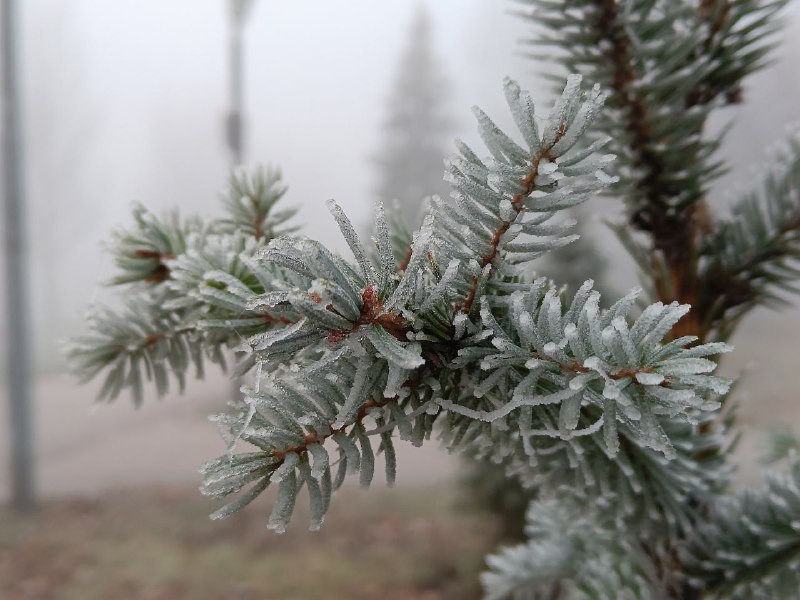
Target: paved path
84	448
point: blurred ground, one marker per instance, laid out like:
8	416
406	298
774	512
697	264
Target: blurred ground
157	544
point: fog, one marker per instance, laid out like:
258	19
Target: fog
125	101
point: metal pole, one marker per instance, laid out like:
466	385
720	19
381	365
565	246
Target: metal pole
17	347
235	130
235	133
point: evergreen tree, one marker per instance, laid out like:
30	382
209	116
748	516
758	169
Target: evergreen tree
613	416
417	128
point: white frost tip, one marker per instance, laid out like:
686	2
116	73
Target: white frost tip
611	391
546	167
592	362
604	177
507	212
649	378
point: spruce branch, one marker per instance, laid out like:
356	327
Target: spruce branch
668	66
397	345
250	201
140	342
544	354
752	258
190	282
454	336
142	253
290	417
649	66
739	37
749	547
631	513
783	443
519	189
572	553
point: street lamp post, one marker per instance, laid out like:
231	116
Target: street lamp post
239	10
18	339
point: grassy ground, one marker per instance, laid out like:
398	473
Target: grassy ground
157	544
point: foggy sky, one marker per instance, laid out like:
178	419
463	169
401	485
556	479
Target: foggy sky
150	90
317	76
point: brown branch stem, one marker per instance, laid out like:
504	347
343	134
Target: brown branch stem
318	438
162	272
529	185
373	313
576	367
674	231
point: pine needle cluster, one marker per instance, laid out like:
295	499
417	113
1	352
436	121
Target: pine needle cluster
609	411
